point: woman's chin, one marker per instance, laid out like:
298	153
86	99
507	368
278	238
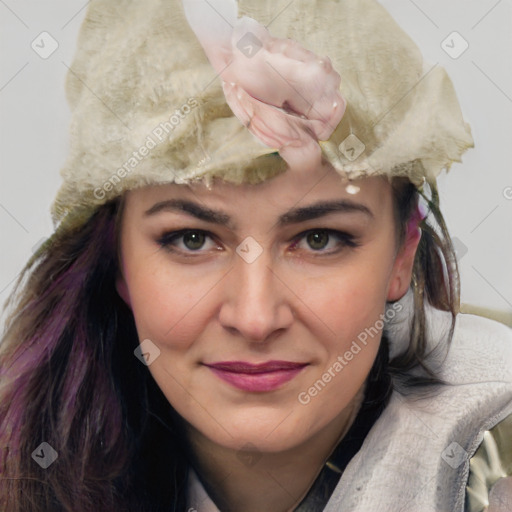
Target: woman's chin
270	431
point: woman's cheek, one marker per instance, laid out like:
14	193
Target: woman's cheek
167	308
346	297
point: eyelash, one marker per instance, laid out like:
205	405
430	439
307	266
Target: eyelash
167	241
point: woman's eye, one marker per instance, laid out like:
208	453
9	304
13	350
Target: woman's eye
324	240
318	240
187	240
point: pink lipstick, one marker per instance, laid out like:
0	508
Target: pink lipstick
256	377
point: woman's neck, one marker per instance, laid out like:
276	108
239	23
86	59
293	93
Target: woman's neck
252	481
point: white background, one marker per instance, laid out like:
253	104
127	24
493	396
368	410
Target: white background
476	195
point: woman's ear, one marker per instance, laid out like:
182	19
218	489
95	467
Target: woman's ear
402	268
122	288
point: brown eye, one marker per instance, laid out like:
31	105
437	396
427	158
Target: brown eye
318	240
324	241
188	241
194	240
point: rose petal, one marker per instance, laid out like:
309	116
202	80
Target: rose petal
286	95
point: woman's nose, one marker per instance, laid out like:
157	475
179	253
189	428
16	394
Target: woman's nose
256	302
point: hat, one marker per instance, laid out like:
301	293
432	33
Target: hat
162	92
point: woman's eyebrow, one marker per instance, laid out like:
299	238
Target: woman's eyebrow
194	209
293	216
322	208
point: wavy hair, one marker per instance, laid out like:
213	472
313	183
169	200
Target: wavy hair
68	375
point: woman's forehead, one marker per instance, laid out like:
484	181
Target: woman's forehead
284	190
267	207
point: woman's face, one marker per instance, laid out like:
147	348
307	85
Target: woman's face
265	301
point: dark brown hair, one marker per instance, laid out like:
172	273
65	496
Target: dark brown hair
68	375
435	278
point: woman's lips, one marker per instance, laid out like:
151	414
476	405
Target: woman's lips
256	377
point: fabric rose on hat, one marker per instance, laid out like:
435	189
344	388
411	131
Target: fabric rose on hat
287	96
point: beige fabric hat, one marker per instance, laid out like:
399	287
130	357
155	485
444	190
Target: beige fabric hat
149	102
